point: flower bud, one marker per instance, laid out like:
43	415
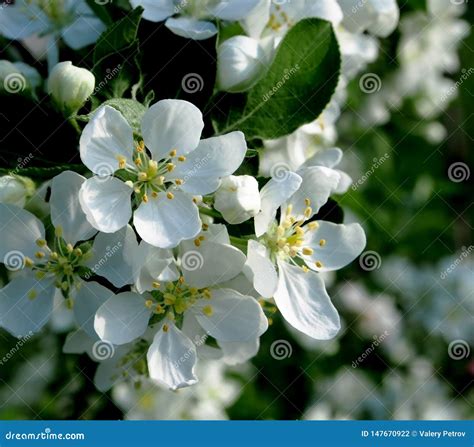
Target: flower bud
70	86
241	61
15	189
238	198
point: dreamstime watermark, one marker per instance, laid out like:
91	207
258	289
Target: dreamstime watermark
21	163
110	74
464	254
198	164
370	83
370	260
459	349
377	162
109	253
199	340
288	73
14	83
19	344
192	260
465	74
103	350
14	260
281	349
192	83
378	339
459	172
280	171
46	435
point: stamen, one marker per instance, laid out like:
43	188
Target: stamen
181	158
307	251
207	310
142	176
170	195
318	264
156	284
121	161
165	328
322	242
173	153
170	166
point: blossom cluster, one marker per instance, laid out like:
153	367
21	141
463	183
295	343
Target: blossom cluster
141	256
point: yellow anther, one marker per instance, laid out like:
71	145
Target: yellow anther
122	161
193	290
307	251
32	294
145	198
160	180
129	183
178	181
29	262
201	238
299	231
54	256
138	161
205	226
305	269
154	194
156	285
308	211
153	165
173	153
142	176
207	310
78	252
170	195
69	248
197	242
313	226
39	254
181	280
307	202
159	309
58	231
207	294
165	328
141	146
318	264
289	209
148	304
170	166
137	190
322	242
181	158
40	242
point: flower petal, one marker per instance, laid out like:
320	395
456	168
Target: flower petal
334	246
113	256
106	137
26	305
209	264
172	124
233	11
165	223
20	231
327	157
232	316
65	208
84	31
122	318
317	185
16	24
191	28
213	159
106	203
172	358
273	195
155	10
303	301
236	352
261	270
88	299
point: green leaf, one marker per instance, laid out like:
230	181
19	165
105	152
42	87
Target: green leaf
100	10
131	110
295	90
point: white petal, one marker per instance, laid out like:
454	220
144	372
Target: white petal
191	28
234	317
255	22
233	11
165	223
155	10
342	244
84	31
317	185
272	196
213	159
303	301
78	342
327	157
172	124
152	264
26	305
106	137
172	358
239	352
345	181
210	264
16	24
324	9
113	256
122	318
88	299
261	270
106	203
112	371
20	231
66	211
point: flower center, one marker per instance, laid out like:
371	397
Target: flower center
279	19
64	264
55	10
174	298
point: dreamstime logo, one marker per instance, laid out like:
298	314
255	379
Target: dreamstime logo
281	349
370	260
459	349
192	260
16	348
192	83
109	252
103	350
466	251
378	339
458	172
14	83
377	162
279	171
287	74
109	75
104	171
370	83
14	260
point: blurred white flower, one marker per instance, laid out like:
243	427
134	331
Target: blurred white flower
15	189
